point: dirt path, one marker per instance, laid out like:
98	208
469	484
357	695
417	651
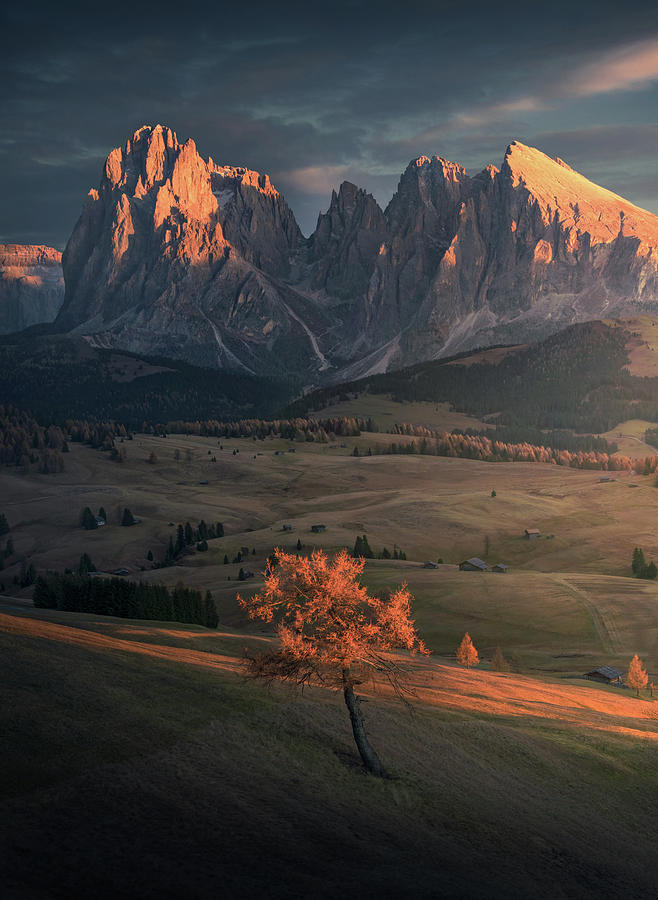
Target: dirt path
606	629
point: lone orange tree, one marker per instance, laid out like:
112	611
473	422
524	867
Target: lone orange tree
637	677
332	632
467	655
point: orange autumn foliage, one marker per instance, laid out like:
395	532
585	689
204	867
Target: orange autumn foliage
328	625
467	655
637	676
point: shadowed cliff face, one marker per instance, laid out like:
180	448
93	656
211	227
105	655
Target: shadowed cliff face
31	286
181	256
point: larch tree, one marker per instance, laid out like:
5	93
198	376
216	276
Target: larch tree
467	655
498	662
637	677
332	632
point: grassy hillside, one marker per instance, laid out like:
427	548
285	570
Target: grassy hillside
141	764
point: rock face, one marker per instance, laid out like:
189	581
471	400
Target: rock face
176	256
180	256
31	286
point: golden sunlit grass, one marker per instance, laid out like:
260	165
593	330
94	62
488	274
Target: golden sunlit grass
629	437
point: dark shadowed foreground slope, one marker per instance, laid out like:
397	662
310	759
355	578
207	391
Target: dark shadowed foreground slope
141	765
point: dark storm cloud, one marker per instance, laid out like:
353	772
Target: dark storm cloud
349	90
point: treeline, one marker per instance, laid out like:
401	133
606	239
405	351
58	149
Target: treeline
557	438
26	443
125	599
481	447
298	429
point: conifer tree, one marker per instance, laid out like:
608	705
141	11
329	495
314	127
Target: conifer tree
637	677
88	519
170	555
212	620
4	524
498	662
102	514
638	562
467	655
127	519
85	566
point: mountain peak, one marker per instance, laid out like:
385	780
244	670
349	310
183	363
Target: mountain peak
560	189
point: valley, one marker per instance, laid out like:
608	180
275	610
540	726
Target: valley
550	604
128	718
329	452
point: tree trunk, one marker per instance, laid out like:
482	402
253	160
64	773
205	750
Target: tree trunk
370	759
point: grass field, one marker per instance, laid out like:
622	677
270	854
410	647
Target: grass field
643	347
386	412
629	437
544	608
142	764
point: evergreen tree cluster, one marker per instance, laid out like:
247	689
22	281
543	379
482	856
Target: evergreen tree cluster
88	519
27	576
187	536
125	599
640	567
651	437
363	549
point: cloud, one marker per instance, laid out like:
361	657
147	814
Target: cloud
315	94
312	179
629	67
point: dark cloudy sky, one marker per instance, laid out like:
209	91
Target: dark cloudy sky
315	93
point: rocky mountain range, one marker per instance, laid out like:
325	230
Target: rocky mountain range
31	286
179	256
